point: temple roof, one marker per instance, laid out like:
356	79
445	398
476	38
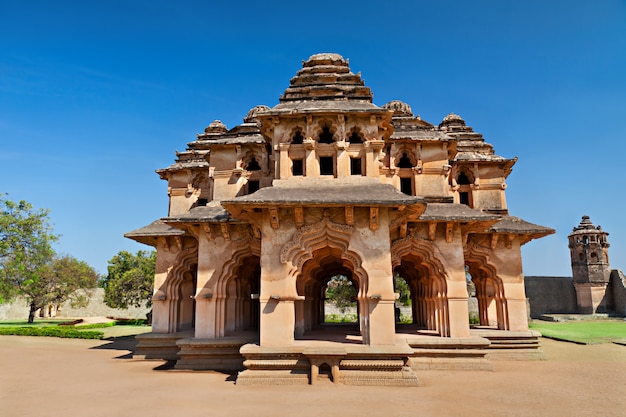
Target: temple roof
326	84
586	227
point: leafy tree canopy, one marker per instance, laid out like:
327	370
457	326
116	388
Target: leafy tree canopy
341	292
64	276
25	250
28	265
130	279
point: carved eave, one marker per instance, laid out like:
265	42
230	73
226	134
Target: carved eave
150	234
514	226
506	165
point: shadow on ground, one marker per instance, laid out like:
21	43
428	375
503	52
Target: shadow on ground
124	343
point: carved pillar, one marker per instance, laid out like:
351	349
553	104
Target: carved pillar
278	290
377	310
167	257
343	160
312	166
212	252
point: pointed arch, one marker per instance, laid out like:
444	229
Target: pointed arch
316	236
232	293
489	286
179	290
420	261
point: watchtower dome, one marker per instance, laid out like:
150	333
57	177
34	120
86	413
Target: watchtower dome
590	266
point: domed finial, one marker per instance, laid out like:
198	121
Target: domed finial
452	119
216	127
251	117
399	108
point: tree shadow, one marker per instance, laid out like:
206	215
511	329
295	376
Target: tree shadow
122	343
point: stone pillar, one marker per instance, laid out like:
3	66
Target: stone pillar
161	300
211	255
284	163
378	308
312	166
343	160
278	290
516	306
458	310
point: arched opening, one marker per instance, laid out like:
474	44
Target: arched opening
327	268
405	161
253	165
297	138
185	299
326	136
340	300
465	190
241	309
427	289
492	308
403	307
355	137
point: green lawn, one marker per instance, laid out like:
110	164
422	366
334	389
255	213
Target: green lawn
37	323
50	327
587	332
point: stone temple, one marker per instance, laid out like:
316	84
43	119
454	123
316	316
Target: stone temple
263	215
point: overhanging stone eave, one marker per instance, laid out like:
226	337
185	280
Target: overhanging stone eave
148	235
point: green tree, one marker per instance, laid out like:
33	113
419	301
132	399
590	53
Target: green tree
341	292
25	251
401	287
64	279
130	279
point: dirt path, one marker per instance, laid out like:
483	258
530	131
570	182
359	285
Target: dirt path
55	377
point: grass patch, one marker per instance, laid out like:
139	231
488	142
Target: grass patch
94	325
36	323
340	318
52	331
587	332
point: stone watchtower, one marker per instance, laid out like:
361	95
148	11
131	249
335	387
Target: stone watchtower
590	266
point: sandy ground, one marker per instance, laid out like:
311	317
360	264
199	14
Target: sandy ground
56	377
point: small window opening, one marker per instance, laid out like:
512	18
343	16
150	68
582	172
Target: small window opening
581	256
406	186
405	162
463	179
593	255
202	202
253	165
297	167
355	138
355	166
253	186
326	165
297	138
464	198
326	136
325	372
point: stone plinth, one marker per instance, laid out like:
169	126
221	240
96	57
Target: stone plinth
347	364
435	353
211	354
158	346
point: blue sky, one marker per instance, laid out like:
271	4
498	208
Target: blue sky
96	95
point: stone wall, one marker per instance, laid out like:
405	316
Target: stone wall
550	295
618	289
18	309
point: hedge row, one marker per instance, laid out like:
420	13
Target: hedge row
53	331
